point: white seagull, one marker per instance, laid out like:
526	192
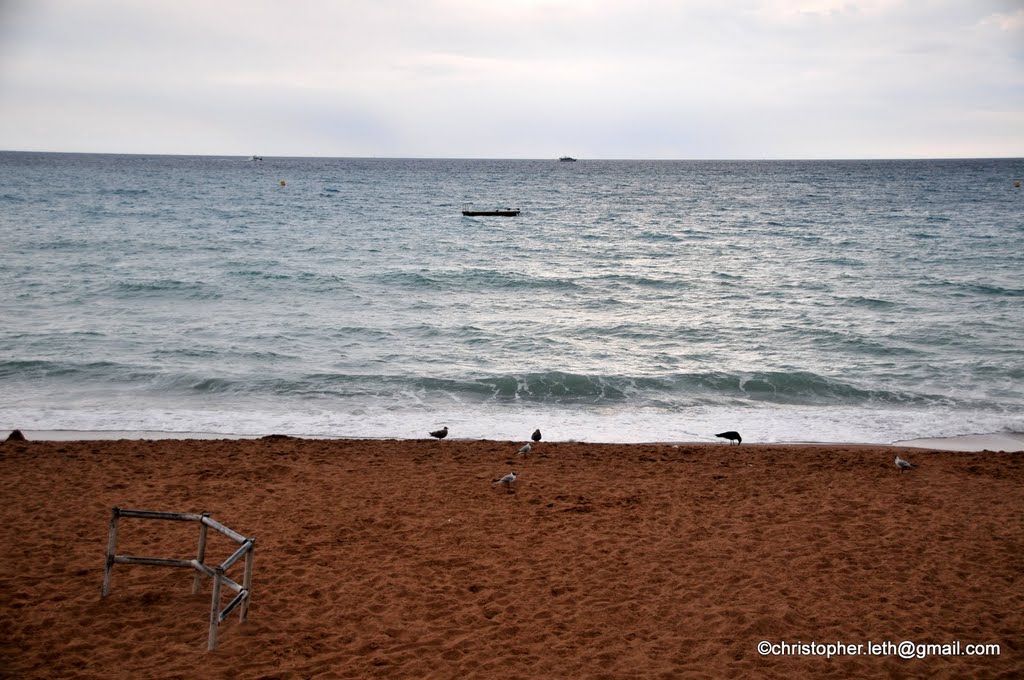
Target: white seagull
507	480
525	449
904	464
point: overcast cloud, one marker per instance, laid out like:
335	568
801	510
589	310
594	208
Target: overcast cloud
515	78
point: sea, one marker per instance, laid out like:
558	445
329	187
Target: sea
865	301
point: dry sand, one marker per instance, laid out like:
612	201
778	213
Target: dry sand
402	559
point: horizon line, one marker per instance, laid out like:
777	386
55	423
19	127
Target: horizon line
520	158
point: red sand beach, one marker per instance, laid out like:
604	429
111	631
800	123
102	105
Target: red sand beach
401	559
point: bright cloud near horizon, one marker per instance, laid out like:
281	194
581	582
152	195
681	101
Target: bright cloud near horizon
516	78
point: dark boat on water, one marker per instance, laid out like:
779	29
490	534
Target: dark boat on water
567	159
490	213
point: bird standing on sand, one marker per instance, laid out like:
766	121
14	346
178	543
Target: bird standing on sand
525	449
731	435
440	434
904	464
508	480
536	435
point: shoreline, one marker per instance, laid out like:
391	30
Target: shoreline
1001	442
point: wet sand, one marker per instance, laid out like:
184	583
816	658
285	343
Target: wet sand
402	559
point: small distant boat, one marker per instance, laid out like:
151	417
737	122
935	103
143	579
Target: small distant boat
256	158
567	159
490	213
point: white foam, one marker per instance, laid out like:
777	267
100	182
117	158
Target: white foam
1001	441
759	424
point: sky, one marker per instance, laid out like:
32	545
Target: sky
682	79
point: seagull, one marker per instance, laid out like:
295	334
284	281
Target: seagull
904	464
536	435
440	434
731	435
525	449
507	480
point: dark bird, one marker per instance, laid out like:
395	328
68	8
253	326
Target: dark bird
904	464
440	434
731	435
536	435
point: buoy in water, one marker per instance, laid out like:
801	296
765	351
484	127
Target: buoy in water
283	182
1017	184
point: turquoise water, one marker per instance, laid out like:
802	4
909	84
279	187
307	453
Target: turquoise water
629	301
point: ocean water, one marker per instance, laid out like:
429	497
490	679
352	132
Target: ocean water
869	301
